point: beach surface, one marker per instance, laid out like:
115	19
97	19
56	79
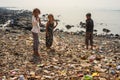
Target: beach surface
69	60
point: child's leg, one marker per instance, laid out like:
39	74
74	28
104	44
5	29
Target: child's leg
51	41
35	43
87	40
91	40
47	42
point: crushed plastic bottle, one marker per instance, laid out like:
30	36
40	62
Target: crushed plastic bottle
118	67
87	77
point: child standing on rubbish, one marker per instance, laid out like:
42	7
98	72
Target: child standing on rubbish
50	26
89	31
35	30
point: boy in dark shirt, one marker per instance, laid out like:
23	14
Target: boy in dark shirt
89	31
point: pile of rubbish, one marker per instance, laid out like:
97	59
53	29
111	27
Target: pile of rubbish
69	60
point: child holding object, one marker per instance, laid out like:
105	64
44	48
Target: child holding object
35	30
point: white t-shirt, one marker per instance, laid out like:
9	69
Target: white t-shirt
35	24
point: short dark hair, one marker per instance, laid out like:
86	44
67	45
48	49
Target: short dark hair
88	14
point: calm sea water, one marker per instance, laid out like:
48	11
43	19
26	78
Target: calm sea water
109	19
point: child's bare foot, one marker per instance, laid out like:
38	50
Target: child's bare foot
36	53
91	48
35	59
48	49
86	47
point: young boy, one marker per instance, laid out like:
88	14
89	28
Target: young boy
89	31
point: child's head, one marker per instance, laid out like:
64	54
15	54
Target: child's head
88	15
36	12
50	17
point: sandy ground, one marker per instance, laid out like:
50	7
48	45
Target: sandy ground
68	59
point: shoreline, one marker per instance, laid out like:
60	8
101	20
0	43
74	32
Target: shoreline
26	14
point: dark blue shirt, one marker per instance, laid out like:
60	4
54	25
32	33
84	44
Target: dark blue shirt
89	25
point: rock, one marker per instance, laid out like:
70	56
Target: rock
69	26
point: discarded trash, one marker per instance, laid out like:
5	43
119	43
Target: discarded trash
87	77
80	75
4	78
21	77
95	74
92	58
118	67
64	63
63	73
113	72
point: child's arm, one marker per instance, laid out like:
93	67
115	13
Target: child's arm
34	23
40	21
56	24
47	28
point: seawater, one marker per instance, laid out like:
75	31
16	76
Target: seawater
109	19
